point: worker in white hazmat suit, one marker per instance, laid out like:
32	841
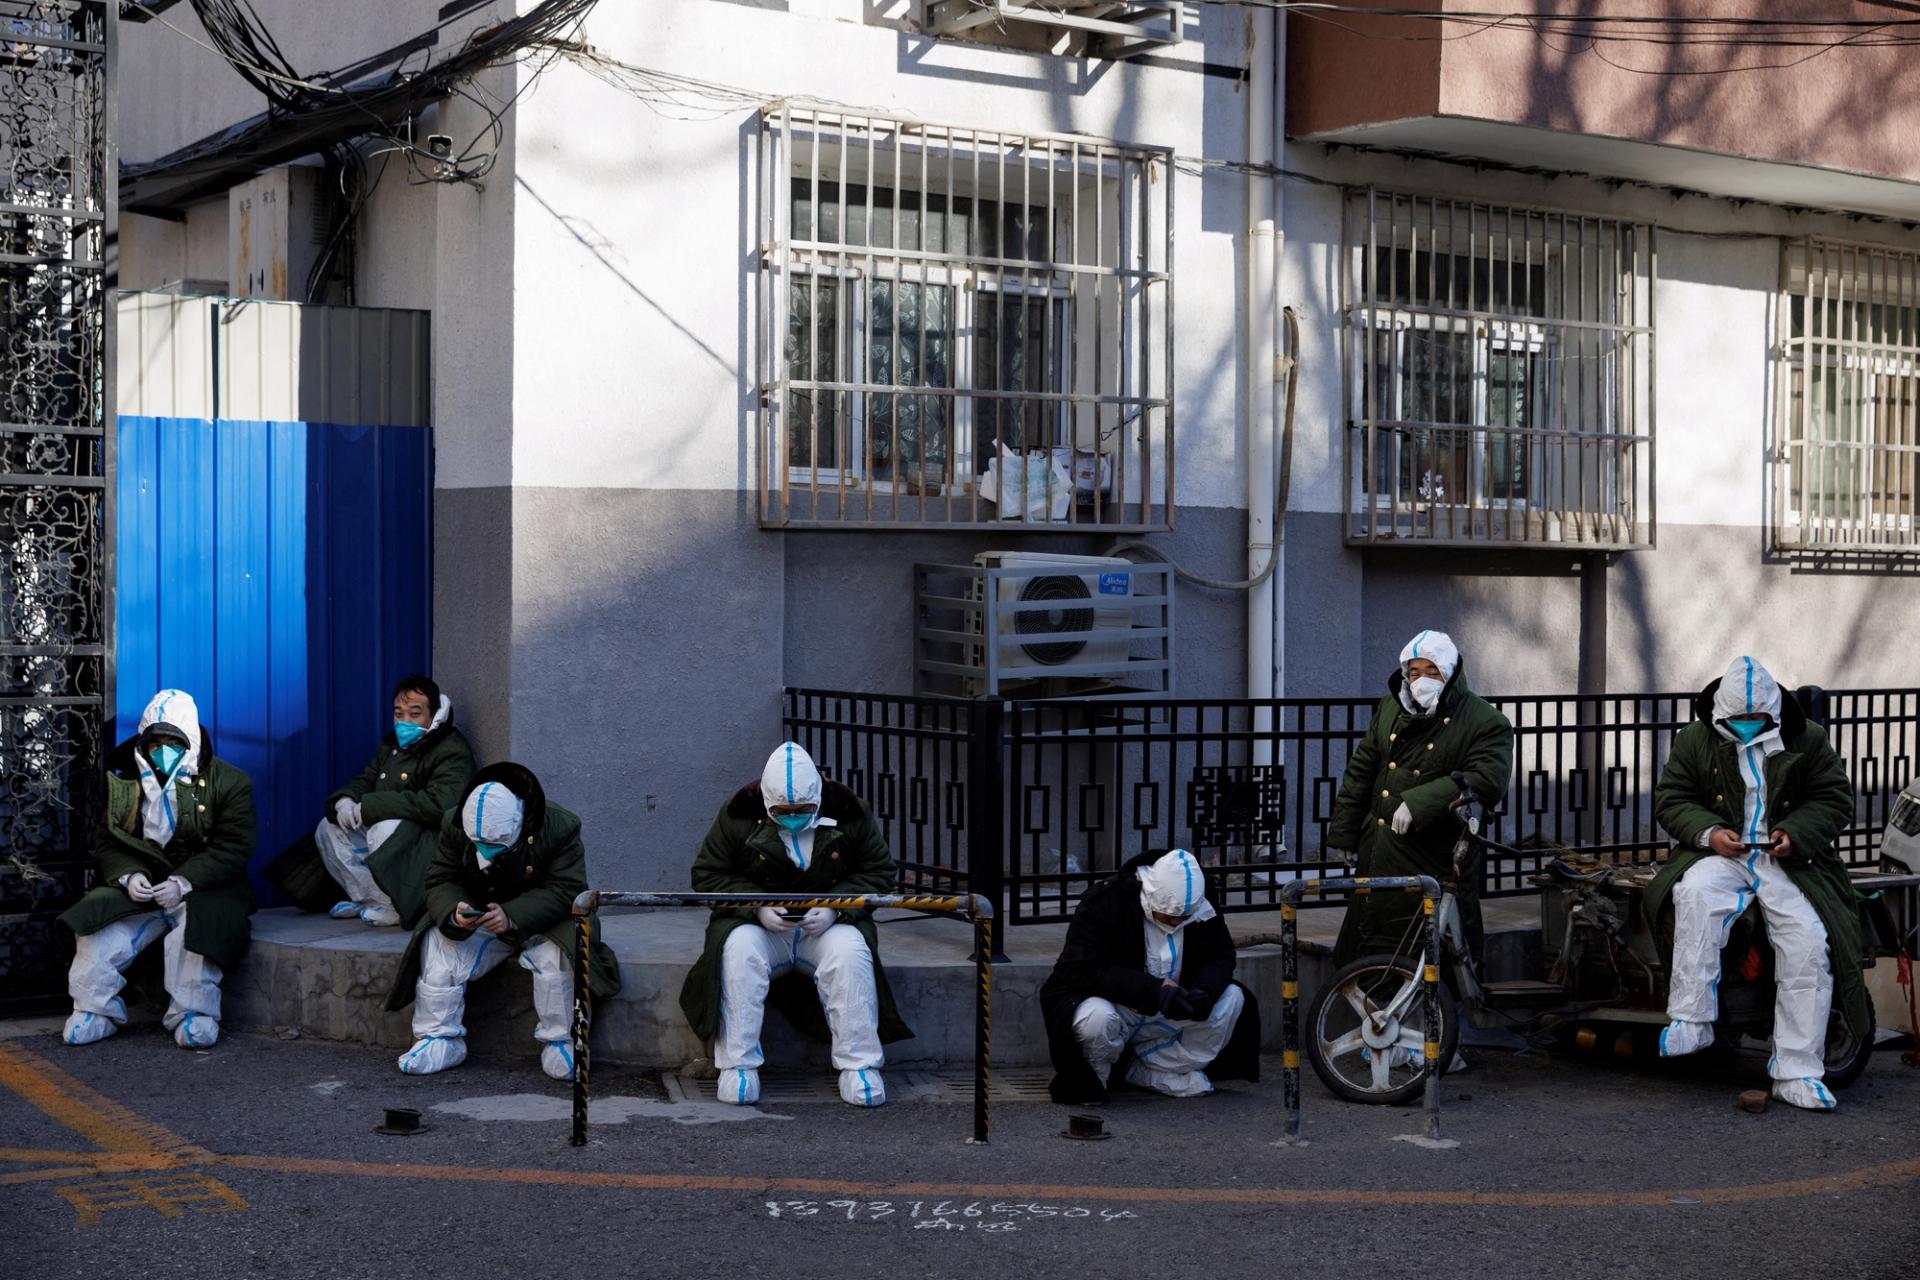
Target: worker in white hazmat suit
1148	966
172	851
794	833
501	886
1753	795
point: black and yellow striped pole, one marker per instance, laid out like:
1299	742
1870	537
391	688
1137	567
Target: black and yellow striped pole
969	905
1290	894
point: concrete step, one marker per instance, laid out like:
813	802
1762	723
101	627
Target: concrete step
329	978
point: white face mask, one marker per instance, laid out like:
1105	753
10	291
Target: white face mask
1426	691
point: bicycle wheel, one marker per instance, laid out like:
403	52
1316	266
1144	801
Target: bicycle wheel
1366	1031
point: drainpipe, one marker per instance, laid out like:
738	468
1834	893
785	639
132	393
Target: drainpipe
1263	135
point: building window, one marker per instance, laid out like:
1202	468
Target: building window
961	327
1499	371
1846	457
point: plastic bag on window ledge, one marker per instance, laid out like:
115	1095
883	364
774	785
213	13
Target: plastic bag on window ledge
1027	486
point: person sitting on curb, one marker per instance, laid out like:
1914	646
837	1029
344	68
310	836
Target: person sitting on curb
793	833
502	884
1753	797
380	830
1147	970
172	848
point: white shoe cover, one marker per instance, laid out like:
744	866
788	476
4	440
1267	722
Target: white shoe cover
1682	1038
197	1031
863	1087
86	1028
379	916
344	910
1806	1093
557	1061
433	1053
739	1086
1175	1084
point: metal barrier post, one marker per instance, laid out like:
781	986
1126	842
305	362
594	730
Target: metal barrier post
987	848
1430	990
1290	894
582	1012
1290	1013
982	1022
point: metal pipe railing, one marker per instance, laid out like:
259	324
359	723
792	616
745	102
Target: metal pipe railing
968	905
1429	890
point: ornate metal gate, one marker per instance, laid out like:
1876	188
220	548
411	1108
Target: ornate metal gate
57	236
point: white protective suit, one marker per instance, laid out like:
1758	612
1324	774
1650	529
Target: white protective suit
345	853
1715	891
1169	1055
834	955
100	959
493	816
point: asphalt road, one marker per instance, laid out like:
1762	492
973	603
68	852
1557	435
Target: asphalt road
258	1158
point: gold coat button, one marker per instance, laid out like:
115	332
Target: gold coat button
1448	720
1380	822
1392	766
1384	795
1416	773
403	777
203	809
1429	746
1392	736
383	775
1718	799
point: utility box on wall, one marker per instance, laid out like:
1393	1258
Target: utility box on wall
276	229
272	532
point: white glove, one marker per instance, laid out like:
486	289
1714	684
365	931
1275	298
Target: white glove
818	921
773	922
138	887
346	814
169	892
1402	819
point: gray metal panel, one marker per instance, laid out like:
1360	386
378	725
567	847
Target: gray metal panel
276	361
165	357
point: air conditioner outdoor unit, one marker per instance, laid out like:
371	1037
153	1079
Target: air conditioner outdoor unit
1084	593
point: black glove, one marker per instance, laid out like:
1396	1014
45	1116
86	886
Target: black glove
1201	1002
1175	1003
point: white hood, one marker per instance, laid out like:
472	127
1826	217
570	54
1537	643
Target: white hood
1175	885
1436	647
792	778
1749	687
159	811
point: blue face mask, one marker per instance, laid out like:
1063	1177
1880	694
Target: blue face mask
487	852
1747	728
166	757
794	822
406	732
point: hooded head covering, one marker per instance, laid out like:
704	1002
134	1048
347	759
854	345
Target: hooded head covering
1438	648
1175	885
791	777
1748	689
492	815
171	712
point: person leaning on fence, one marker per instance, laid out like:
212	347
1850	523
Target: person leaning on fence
172	850
502	884
1753	797
381	829
1394	807
1146	977
792	832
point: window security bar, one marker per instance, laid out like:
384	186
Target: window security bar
962	327
1499	372
1846	455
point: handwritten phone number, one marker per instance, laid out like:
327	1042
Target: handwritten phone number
942	1215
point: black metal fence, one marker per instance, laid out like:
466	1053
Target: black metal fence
1078	787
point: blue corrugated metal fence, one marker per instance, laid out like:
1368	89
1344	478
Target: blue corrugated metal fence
279	572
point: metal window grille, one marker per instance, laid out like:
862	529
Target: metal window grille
962	327
1499	366
1847	436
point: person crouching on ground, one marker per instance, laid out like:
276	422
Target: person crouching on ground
793	833
172	849
502	884
1148	967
